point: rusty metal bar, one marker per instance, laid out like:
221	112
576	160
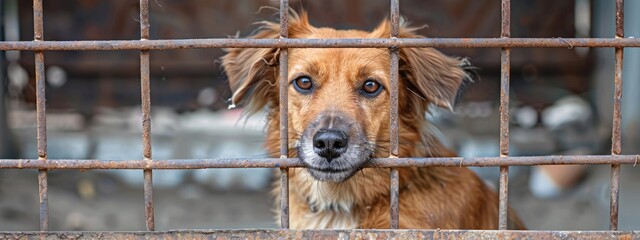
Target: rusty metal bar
616	147
394	59
394	202
319	43
615	193
41	112
394	188
284	115
505	69
296	163
503	206
145	89
284	198
331	234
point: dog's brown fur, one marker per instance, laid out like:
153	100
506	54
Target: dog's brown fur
430	197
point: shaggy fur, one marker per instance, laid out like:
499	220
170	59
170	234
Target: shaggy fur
430	197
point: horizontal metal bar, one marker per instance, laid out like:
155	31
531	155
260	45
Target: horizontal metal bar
295	162
320	43
330	234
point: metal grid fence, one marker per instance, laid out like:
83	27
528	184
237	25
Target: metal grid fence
147	164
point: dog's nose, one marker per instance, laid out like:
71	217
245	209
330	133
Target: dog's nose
330	143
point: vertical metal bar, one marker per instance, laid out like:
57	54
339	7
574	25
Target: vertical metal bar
284	115
616	147
505	69
615	190
41	112
395	199
146	115
393	114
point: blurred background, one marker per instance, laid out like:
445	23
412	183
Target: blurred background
561	103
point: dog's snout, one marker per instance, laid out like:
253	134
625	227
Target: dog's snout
330	143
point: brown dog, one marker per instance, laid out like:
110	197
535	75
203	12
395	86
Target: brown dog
339	119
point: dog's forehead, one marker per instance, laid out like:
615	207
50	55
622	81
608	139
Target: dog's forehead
338	55
339	63
329	33
328	56
330	61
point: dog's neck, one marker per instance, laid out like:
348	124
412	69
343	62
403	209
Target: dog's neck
330	205
330	197
357	192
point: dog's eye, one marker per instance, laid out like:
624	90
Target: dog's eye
303	84
371	88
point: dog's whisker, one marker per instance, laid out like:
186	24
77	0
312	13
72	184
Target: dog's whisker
272	140
292	151
269	140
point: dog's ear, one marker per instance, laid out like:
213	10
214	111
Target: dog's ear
254	71
426	71
436	76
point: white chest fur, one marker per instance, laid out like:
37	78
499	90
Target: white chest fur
330	220
331	207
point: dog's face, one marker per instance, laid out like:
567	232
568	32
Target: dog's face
339	97
339	106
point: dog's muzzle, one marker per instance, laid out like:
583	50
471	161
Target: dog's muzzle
334	147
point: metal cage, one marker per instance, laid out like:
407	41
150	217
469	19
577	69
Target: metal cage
147	164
